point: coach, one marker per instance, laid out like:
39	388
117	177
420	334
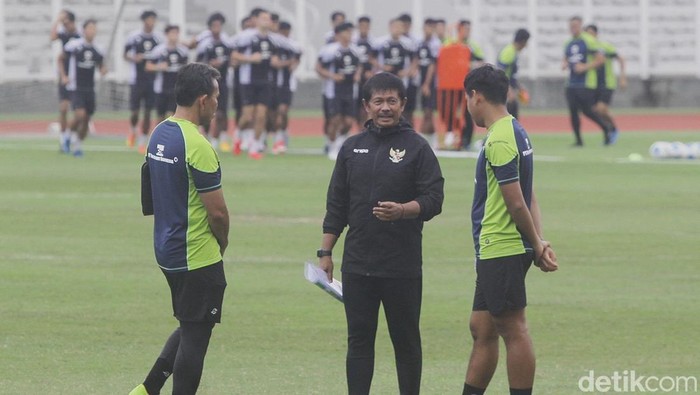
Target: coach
386	183
191	228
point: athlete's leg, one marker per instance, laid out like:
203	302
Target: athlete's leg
484	356
512	327
587	98
362	299
63	108
189	361
572	102
401	299
163	367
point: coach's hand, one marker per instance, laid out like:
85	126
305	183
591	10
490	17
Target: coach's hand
326	264
388	211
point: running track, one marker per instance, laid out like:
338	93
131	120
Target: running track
310	126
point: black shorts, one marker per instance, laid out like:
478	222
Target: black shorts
165	103
256	93
142	91
428	102
604	95
63	93
198	295
342	105
412	98
284	96
500	283
580	97
83	100
223	98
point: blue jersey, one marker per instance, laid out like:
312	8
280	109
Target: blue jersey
182	165
582	49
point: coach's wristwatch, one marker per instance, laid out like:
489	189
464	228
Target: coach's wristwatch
321	253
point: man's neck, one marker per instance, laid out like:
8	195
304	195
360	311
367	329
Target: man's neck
494	113
187	113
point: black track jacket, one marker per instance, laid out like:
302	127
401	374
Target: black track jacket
392	164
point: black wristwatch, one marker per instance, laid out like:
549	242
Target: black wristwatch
321	253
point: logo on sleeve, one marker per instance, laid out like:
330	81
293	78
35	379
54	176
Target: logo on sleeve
395	155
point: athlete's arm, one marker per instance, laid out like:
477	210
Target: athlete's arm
427	88
62	68
54	26
623	74
324	72
217	216
518	210
152	66
255	57
536	215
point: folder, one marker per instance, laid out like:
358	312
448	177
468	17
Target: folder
317	276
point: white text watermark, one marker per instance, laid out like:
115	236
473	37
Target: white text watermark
629	381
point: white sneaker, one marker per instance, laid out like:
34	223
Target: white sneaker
449	139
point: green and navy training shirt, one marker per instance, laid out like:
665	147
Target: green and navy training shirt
182	164
508	62
582	49
606	74
506	157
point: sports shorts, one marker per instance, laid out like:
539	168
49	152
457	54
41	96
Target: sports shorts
198	295
256	93
342	105
603	95
63	93
83	100
500	283
142	91
284	96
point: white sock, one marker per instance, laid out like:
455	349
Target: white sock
75	142
65	135
279	136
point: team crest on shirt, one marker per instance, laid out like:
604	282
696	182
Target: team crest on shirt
395	155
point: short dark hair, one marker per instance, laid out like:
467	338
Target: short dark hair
405	18
244	21
336	14
440	20
521	36
464	22
284	25
343	27
171	27
429	21
217	16
69	15
148	14
194	80
575	18
364	18
592	27
275	17
257	11
383	82
90	21
490	82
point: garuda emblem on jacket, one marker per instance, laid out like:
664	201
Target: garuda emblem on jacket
395	155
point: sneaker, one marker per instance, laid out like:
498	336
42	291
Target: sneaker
237	147
279	148
65	145
78	153
449	139
224	146
614	135
255	155
131	139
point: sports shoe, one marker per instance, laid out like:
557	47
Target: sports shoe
224	146
78	153
131	139
139	390
237	147
255	155
65	145
279	148
449	139
614	135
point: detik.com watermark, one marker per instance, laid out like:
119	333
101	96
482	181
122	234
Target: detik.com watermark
631	381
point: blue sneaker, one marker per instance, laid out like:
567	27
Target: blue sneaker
65	145
614	134
78	153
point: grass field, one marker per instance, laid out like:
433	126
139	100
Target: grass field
84	309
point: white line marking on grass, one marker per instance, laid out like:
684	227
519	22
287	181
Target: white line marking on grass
626	161
439	154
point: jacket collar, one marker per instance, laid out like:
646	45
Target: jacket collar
402	126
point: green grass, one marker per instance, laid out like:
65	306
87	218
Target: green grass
84	309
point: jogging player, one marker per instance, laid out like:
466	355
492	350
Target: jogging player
337	18
607	82
290	55
64	29
191	225
426	72
256	53
508	62
138	48
395	54
507	238
339	64
84	59
386	183
166	60
582	57
368	60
